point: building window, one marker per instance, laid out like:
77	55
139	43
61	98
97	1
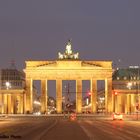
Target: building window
134	78
135	83
125	78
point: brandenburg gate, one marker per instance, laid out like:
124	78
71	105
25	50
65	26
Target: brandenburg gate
68	67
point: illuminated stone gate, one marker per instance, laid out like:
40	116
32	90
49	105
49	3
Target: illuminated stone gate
68	67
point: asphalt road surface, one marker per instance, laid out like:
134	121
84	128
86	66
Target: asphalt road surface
43	128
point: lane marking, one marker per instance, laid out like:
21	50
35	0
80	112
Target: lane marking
121	131
120	138
106	131
90	136
130	132
40	137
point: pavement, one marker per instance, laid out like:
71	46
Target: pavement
60	128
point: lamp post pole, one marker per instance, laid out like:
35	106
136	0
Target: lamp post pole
129	86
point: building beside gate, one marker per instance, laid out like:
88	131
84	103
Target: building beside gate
12	84
126	89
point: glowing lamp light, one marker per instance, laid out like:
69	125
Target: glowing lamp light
89	93
129	85
116	93
8	85
37	103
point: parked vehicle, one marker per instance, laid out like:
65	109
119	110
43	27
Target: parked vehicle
117	116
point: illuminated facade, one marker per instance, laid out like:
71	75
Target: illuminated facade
68	67
12	83
126	89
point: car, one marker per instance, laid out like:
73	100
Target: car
117	116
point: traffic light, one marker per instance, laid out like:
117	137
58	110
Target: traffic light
89	93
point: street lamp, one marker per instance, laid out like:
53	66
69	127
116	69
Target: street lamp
129	85
8	85
67	101
102	99
37	103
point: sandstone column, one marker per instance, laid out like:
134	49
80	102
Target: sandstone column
113	100
15	103
9	103
2	108
21	103
12	104
79	96
59	95
133	103
108	95
5	106
43	96
128	103
93	89
24	102
123	103
29	96
119	103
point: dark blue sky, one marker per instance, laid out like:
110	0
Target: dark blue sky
100	30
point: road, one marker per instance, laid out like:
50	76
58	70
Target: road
43	128
111	130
